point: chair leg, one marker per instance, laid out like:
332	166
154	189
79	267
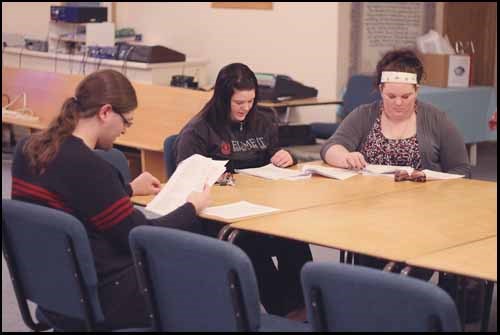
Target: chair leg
223	232
389	266
485	319
349	257
233	235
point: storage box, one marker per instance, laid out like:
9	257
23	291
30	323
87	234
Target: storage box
446	70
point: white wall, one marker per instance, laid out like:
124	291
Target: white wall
26	18
297	39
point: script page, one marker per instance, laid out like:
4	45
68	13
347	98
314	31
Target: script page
270	171
238	210
191	175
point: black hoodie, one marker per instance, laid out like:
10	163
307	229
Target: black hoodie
244	147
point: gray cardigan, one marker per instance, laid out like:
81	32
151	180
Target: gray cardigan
441	144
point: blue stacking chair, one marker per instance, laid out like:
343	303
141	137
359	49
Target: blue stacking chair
198	283
359	91
116	158
342	297
168	152
51	264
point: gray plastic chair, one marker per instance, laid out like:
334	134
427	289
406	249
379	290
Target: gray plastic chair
198	283
342	297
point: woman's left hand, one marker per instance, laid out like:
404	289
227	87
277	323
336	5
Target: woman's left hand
145	184
282	158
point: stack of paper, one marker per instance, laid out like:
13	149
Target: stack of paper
273	172
434	175
330	172
191	175
390	170
238	210
374	169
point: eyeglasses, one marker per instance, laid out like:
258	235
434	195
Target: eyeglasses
126	122
416	176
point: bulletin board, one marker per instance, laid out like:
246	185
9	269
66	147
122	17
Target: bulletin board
243	5
377	27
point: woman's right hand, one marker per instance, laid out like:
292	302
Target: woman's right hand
355	160
200	200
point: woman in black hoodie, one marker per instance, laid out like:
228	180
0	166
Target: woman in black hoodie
230	127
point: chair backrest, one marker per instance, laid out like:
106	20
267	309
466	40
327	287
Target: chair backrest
168	152
116	158
359	91
341	297
50	262
195	282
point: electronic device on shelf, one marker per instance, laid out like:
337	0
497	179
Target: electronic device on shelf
77	14
278	87
137	53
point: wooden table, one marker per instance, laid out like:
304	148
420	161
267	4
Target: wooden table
476	259
394	225
162	111
299	194
443	225
316	101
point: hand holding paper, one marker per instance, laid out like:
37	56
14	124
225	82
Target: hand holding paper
191	175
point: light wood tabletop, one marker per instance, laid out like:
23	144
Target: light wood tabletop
477	259
396	225
289	195
300	102
162	110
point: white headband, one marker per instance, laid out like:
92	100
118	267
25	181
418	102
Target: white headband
398	77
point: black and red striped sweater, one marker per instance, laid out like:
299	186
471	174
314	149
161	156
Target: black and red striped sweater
81	183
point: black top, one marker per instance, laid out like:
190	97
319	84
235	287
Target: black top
81	183
242	146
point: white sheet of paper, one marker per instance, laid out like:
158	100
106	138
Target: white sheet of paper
191	175
435	175
330	172
270	171
238	210
375	169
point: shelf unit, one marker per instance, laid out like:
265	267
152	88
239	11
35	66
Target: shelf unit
66	37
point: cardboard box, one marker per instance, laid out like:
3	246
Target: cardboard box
446	70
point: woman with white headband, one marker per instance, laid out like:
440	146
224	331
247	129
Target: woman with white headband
399	130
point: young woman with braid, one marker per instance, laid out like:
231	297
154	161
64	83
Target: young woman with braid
57	168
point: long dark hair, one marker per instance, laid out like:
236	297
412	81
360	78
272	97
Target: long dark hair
401	60
216	112
94	91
